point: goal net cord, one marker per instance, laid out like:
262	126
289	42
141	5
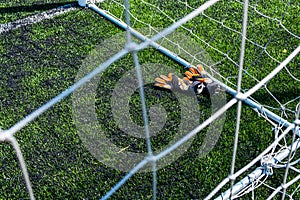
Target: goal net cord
8	135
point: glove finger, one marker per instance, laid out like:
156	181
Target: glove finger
160	80
165	78
188	74
201	70
171	76
182	84
200	79
163	85
186	80
207	80
193	70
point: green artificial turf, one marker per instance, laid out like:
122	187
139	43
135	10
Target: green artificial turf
15	10
40	61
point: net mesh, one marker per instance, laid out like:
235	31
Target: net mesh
272	36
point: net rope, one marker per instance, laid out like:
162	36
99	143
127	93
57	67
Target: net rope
281	154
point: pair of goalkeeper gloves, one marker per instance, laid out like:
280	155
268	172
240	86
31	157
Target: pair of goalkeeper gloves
195	81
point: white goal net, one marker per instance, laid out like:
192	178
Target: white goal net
250	48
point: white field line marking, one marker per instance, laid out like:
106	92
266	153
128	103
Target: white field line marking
37	18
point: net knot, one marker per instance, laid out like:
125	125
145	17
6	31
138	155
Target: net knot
132	46
282	107
151	158
268	162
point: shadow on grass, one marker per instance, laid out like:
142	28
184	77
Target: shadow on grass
34	7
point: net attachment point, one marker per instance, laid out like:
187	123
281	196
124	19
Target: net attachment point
151	159
268	162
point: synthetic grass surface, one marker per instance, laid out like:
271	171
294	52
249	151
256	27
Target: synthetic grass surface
39	61
14	10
